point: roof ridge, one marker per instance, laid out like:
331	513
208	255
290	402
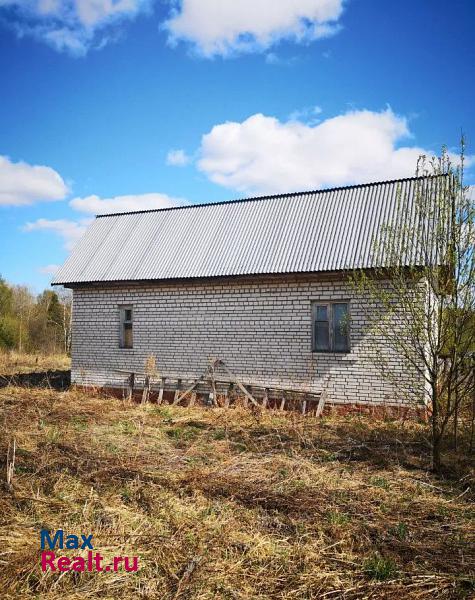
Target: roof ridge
271	196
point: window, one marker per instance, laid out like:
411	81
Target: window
331	327
126	331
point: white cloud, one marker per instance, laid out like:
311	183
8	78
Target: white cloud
76	42
71	25
178	158
69	231
23	184
49	269
225	27
308	115
96	205
263	154
94	12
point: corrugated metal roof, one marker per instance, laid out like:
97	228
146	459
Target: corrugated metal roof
327	230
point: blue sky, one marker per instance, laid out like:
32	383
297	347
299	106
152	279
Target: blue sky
111	105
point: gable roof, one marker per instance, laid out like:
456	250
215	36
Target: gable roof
326	230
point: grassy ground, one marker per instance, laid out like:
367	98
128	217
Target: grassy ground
12	363
229	504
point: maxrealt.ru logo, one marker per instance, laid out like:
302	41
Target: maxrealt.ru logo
92	562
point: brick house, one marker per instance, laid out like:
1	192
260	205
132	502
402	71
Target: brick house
260	283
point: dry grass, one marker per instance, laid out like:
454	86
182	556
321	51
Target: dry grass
12	362
229	504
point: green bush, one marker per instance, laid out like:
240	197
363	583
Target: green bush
8	332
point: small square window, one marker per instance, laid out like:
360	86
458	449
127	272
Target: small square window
126	327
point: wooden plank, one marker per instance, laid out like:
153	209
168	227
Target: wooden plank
227	395
213	384
146	390
213	395
160	393
323	398
282	402
188	390
250	390
320	406
237	382
131	386
177	391
231	380
265	400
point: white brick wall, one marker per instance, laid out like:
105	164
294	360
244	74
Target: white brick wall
261	327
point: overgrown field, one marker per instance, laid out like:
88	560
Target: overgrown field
12	363
229	504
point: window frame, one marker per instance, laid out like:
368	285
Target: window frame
329	306
123	322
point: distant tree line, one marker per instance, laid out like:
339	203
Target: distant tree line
34	323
